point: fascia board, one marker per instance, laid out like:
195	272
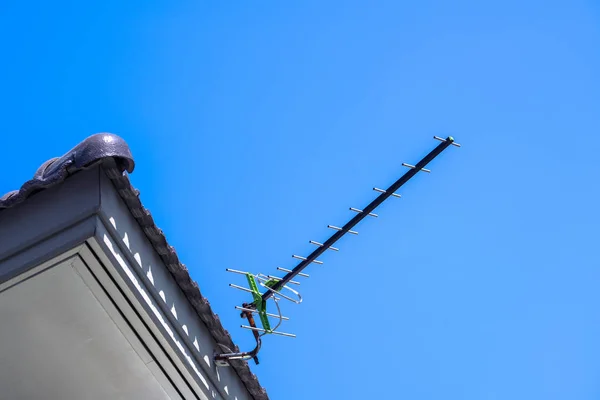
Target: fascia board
187	350
48	247
49	213
121	226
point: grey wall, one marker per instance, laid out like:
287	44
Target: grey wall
53	325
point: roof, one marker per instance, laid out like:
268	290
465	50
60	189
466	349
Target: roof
113	153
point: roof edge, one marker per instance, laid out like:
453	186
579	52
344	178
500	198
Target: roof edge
115	156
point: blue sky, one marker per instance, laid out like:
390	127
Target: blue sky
255	125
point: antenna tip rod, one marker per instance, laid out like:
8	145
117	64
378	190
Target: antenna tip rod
452	142
449	139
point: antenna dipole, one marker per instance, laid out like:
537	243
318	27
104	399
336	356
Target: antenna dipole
274	285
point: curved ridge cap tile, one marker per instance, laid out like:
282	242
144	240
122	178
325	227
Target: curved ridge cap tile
94	148
8	195
90	150
39	174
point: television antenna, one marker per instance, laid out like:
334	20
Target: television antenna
276	289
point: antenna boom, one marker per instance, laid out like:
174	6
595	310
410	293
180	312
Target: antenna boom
360	216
